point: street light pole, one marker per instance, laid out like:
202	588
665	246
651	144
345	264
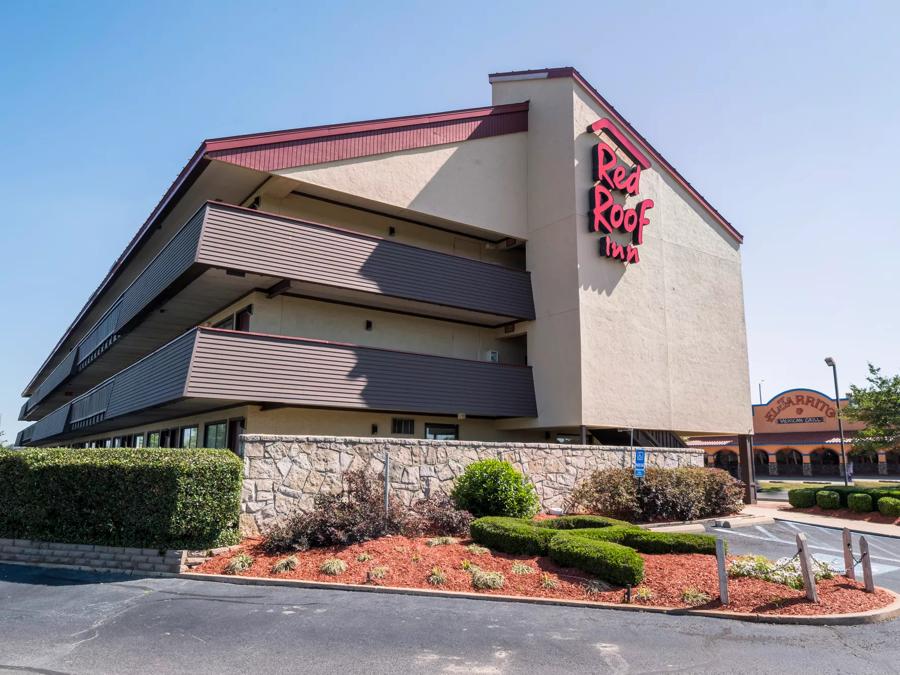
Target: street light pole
760	391
837	405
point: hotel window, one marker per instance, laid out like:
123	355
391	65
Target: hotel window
153	439
139	440
215	435
238	321
189	437
403	426
442	432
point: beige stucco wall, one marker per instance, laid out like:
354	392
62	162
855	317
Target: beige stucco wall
648	345
301	317
479	183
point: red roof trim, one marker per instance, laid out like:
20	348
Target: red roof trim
551	73
385	124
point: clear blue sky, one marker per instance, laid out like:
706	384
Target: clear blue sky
784	115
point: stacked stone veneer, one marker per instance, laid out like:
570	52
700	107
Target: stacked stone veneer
87	556
284	473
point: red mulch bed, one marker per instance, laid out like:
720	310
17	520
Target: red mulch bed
871	517
410	562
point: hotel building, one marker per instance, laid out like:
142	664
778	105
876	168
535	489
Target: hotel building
526	271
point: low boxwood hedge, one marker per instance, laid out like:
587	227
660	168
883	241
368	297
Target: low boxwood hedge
889	506
828	499
611	562
802	498
859	502
602	546
148	498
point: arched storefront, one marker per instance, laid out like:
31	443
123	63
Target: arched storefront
761	461
824	462
727	460
790	462
864	463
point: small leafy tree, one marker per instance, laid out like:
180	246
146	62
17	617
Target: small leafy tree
3	444
491	487
878	407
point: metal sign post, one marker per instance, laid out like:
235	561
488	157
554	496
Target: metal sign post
849	565
723	574
806	568
387	484
640	460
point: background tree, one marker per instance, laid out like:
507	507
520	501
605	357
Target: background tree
878	407
3	443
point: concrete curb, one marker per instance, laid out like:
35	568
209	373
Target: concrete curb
872	616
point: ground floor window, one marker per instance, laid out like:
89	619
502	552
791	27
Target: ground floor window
235	429
188	437
403	426
215	435
442	432
152	439
139	441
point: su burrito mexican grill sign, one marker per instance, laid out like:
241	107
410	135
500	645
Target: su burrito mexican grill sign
611	178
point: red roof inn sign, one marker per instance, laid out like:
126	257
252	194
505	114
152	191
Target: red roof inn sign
611	178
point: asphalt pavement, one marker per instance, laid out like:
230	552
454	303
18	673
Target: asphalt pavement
780	540
60	621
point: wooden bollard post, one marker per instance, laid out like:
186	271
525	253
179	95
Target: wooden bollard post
849	570
806	568
868	581
723	573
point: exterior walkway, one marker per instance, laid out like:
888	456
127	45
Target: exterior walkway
783	511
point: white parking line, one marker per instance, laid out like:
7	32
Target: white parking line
812	544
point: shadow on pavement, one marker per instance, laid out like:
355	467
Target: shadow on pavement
57	576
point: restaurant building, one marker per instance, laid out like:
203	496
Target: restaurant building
796	434
530	270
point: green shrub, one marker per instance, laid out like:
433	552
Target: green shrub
694	596
146	498
521	568
889	506
828	499
663	494
491	487
611	562
239	563
483	579
437	577
333	567
441	541
378	572
285	565
512	535
802	498
610	551
859	502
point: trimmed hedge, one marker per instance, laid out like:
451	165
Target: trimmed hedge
611	562
147	498
802	498
889	506
602	546
859	502
827	499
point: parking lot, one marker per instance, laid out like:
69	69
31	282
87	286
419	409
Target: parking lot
780	540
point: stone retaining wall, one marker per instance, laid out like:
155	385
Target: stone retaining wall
283	473
88	556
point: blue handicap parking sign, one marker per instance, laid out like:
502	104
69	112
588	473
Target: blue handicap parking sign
640	458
